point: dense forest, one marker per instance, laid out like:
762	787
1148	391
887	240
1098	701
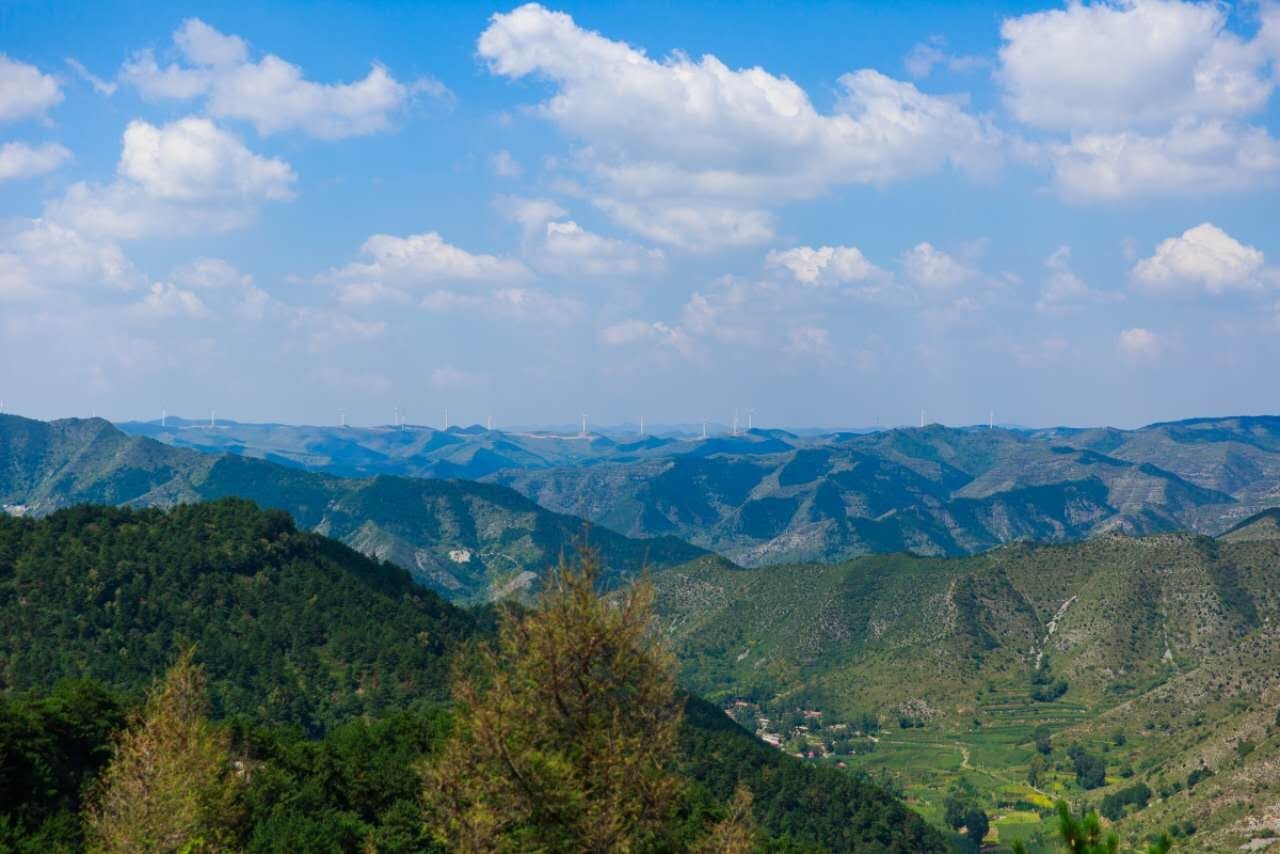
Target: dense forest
213	676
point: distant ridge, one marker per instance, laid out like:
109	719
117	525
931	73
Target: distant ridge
469	541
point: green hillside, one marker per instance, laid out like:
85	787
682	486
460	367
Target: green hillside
471	542
940	670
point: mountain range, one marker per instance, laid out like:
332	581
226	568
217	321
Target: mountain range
469	541
772	496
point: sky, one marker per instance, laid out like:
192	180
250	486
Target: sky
833	214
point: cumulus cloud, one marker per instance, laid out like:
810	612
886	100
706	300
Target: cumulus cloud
421	259
194	160
825	265
560	246
1203	258
1153	96
44	257
686	151
270	93
1139	344
929	267
19	160
166	301
25	91
188	176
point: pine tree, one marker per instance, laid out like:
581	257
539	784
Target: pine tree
170	785
737	832
565	733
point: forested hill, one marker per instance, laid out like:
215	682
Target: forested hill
292	627
471	542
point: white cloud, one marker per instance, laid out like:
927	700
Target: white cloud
102	87
188	176
424	258
504	165
1204	257
211	274
691	226
1153	96
568	249
685	151
927	55
930	267
628	332
825	265
564	248
46	256
19	160
193	160
166	301
1064	290
1139	343
225	285
1125	65
271	93
25	92
1188	159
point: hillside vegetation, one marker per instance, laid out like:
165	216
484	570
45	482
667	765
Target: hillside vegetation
310	682
942	671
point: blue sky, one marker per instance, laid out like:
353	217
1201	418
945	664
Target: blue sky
835	214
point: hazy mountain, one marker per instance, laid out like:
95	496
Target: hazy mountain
470	541
770	496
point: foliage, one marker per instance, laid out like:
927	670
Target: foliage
170	785
1085	835
291	627
566	731
51	745
1091	770
1113	805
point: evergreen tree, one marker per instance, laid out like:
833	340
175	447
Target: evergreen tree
170	785
565	732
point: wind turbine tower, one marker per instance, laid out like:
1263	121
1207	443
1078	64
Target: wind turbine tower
734	431
991	420
163	417
704	428
641	425
750	412
446	418
584	425
488	423
342	417
921	417
212	423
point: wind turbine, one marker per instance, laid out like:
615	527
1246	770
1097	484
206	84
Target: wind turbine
750	412
921	417
734	431
212	423
488	424
584	425
704	428
446	418
641	425
342	417
991	420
